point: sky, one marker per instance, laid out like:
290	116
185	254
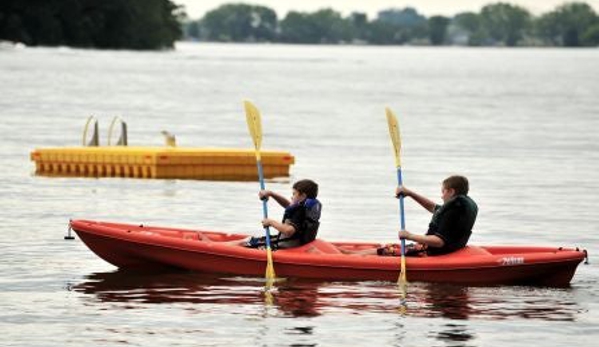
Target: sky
197	8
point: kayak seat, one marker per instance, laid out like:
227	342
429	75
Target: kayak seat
471	250
316	247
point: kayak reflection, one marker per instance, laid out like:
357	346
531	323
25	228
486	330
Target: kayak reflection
308	298
168	286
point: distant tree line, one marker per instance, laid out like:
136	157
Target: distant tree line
131	24
500	24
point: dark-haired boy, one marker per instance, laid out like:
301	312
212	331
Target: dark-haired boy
300	221
450	226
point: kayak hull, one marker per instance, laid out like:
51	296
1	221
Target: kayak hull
144	247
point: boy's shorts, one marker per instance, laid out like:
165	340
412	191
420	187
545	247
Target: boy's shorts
394	250
256	242
260	242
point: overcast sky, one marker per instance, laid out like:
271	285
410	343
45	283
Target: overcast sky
197	8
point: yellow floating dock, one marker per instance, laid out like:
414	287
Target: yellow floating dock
160	162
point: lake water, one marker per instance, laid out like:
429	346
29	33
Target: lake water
522	124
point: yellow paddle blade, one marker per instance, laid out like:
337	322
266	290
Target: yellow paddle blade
268	298
394	133
268	287
402	286
270	269
254	123
402	280
270	278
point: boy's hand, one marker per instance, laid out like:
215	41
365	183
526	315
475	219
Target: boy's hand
402	191
267	222
264	194
404	234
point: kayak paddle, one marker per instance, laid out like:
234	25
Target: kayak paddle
255	127
396	139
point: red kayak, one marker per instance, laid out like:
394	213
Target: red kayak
146	247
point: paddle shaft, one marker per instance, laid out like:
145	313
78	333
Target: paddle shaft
264	202
402	218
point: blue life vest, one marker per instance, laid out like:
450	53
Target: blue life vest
310	210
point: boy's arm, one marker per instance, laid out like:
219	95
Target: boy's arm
281	200
286	229
428	204
429	240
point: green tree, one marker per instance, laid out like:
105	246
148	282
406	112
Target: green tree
591	36
137	24
505	23
406	25
323	26
357	25
379	32
239	22
191	30
471	23
437	26
296	28
133	24
569	25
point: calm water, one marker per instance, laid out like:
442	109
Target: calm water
521	124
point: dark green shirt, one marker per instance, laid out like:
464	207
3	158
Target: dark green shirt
453	222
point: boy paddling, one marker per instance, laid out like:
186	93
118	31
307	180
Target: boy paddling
450	226
300	220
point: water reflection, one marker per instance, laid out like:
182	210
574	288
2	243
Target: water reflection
448	301
168	287
455	334
494	302
304	298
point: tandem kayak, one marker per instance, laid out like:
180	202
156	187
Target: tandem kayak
148	247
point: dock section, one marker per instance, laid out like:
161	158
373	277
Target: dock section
160	162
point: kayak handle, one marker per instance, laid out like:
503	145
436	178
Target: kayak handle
586	257
68	236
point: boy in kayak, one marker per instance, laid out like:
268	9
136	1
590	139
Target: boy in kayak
450	226
300	221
